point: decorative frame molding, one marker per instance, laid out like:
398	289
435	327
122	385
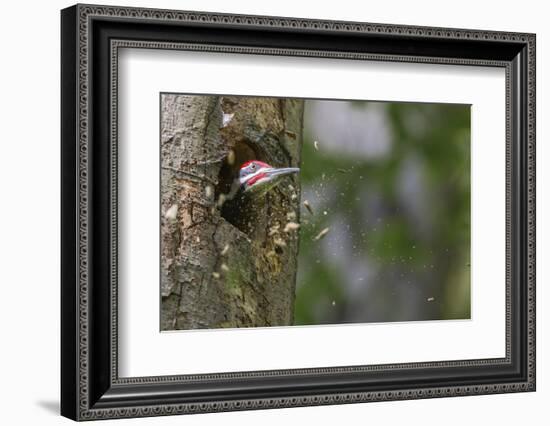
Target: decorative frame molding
91	388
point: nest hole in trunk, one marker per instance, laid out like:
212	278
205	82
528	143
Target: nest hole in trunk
239	210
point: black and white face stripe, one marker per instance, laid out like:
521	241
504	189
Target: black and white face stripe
252	169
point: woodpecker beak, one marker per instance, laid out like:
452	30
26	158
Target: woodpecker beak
283	171
267	178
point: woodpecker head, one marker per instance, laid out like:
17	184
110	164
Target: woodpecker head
255	175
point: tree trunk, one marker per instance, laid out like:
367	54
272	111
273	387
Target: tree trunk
214	273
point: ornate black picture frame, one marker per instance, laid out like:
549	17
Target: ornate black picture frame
91	36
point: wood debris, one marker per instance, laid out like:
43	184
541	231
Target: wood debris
221	200
291	226
308	206
321	234
172	212
279	243
274	230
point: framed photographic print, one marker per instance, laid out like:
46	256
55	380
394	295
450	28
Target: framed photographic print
263	212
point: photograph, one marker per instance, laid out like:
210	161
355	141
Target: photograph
282	211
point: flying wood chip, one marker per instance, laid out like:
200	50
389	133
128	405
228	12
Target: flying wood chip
321	234
308	206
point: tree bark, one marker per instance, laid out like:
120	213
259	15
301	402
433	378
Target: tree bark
213	273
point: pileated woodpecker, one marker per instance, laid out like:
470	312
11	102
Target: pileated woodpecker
255	179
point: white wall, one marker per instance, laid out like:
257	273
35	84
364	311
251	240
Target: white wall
29	210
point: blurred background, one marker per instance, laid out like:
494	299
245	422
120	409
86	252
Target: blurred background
385	213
